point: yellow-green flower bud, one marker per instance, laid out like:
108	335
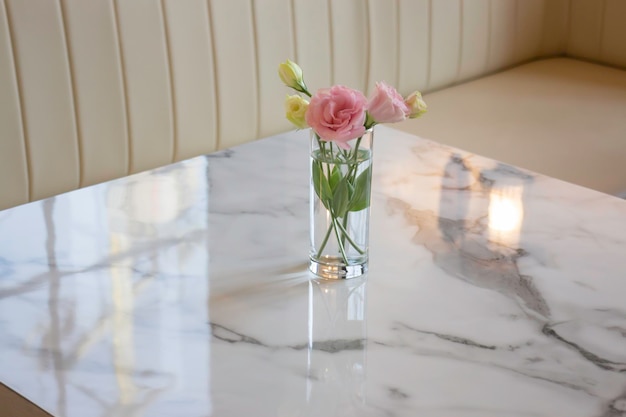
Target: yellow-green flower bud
417	106
295	109
291	74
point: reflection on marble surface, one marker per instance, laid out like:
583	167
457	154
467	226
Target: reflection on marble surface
183	291
336	362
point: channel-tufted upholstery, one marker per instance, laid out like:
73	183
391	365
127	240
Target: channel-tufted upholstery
92	90
597	31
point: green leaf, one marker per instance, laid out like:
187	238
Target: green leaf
320	184
362	187
341	198
335	177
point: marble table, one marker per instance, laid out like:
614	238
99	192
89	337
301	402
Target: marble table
183	291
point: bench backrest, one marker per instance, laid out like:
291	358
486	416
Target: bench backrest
92	90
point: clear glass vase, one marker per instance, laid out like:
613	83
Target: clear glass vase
341	179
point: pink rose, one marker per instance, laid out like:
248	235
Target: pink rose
337	114
386	105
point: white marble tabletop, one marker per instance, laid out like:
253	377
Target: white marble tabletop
183	292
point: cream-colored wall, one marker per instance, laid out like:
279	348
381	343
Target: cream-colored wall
97	89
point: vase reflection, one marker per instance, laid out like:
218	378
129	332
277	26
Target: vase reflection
336	360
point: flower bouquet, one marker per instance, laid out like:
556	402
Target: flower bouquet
342	121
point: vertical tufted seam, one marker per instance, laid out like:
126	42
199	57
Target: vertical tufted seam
430	43
516	47
544	32
398	42
489	29
70	65
118	34
541	46
568	30
368	47
516	34
255	43
602	33
461	37
516	37
218	135
540	51
170	77
331	41
18	82
294	29
396	51
569	27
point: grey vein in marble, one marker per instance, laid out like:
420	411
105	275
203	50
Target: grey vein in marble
457	251
329	346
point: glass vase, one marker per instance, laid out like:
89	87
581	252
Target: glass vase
341	179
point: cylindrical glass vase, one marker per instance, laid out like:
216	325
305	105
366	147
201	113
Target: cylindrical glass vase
341	180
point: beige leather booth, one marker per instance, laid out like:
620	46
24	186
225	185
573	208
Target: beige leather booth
564	116
92	90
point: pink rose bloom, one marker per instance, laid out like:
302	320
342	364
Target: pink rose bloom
387	105
337	114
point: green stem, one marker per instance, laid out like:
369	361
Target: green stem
304	90
347	235
354	166
322	146
345	227
341	248
346	155
356	150
325	241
